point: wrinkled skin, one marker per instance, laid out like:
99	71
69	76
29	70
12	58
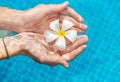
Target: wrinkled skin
38	18
34	46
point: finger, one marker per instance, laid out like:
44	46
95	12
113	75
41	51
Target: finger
68	42
79	30
73	14
81	40
62	17
74	53
83	26
64	63
77	24
57	8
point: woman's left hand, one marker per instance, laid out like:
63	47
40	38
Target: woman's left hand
34	46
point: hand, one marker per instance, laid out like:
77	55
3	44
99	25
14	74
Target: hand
34	46
38	19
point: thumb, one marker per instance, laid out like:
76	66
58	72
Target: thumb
58	7
64	63
64	5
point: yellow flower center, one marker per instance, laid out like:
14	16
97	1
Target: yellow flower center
61	33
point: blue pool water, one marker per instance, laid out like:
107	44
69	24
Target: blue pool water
100	62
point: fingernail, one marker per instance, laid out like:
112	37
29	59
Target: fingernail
84	46
66	2
81	19
85	26
85	38
67	66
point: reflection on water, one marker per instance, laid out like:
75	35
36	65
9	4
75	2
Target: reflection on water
4	33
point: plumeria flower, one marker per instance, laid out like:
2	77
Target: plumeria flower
59	34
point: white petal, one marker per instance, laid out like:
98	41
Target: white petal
50	35
54	25
60	43
67	24
71	35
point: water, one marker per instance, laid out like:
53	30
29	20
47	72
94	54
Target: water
4	33
100	62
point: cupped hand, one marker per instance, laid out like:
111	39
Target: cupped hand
38	19
42	52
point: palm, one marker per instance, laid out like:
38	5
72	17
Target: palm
43	23
46	54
